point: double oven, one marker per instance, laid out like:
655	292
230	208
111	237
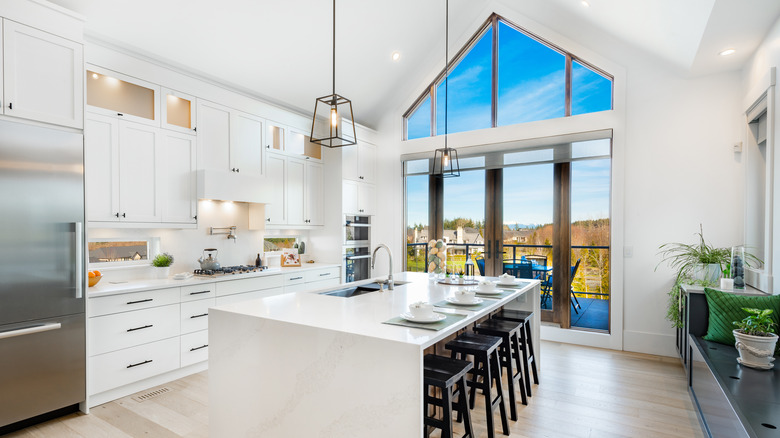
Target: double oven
356	265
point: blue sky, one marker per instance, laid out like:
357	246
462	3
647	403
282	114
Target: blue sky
531	87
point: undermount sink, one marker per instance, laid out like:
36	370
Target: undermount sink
354	291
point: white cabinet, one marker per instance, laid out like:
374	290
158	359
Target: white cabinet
178	111
179	185
42	76
359	162
290	141
276	169
138	173
229	140
124	97
314	202
358	198
296	192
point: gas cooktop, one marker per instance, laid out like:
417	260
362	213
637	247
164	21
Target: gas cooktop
228	270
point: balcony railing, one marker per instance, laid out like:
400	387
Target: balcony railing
591	280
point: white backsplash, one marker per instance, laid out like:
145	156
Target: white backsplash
187	246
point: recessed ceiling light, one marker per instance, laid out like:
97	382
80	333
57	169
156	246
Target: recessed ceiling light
396	56
94	75
585	3
728	52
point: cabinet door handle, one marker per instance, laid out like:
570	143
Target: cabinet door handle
238	170
140	328
199	316
325	274
195	129
120	114
140	363
124	214
200	292
141	301
296	278
117	215
198	348
268	219
195	217
11	105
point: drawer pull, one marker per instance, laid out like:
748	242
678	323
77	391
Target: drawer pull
140	328
325	274
198	348
140	363
201	292
141	301
199	316
296	278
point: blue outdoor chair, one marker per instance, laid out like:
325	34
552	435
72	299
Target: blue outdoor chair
521	269
547	288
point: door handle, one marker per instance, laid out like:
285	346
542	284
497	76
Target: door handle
498	250
487	253
30	330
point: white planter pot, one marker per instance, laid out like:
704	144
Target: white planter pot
755	351
161	273
709	273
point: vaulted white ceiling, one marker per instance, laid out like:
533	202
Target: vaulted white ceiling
281	50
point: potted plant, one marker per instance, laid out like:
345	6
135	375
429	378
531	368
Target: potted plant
699	263
756	339
162	263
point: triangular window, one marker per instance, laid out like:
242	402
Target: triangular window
534	81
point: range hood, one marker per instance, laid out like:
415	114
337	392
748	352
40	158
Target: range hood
231	186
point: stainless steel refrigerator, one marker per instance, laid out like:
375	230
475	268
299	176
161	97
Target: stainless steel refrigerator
42	335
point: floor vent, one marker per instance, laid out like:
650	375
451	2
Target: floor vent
151	394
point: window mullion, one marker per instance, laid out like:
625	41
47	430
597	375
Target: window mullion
494	75
567	105
432	93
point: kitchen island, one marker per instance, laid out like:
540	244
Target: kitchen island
307	364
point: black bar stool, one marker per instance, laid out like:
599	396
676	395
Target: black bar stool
486	365
526	342
444	373
509	352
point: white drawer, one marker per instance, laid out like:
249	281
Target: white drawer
290	288
112	370
194	347
322	274
195	315
198	292
294	278
249	284
128	329
133	301
237	298
325	284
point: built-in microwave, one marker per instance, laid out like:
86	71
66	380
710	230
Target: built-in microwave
357	230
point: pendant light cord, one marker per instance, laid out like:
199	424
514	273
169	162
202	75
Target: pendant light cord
446	66
334	49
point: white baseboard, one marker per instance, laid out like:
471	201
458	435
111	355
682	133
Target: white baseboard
649	343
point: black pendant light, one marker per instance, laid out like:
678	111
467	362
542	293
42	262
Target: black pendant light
445	160
331	112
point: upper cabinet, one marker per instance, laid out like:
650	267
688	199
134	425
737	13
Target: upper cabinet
359	162
116	95
178	111
42	76
291	141
229	140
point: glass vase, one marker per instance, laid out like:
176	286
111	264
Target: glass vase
738	266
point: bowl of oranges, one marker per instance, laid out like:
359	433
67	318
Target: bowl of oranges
94	277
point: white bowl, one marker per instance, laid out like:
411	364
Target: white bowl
421	310
486	286
465	295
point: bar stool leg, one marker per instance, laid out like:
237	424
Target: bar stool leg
446	396
506	353
463	407
529	343
496	365
522	368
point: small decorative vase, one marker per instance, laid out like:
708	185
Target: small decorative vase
755	351
162	273
727	283
738	266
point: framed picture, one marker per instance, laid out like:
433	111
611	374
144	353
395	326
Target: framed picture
290	257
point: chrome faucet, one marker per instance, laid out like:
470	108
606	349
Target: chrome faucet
390	257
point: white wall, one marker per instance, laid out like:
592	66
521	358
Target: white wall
674	169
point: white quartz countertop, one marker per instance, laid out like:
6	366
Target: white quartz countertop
106	287
365	314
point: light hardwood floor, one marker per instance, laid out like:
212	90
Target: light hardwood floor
584	392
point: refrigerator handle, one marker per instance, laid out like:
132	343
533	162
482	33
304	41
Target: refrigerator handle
79	231
30	330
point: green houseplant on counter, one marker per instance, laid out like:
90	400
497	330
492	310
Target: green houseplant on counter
699	263
162	263
756	339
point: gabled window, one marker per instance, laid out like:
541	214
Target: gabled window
533	80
